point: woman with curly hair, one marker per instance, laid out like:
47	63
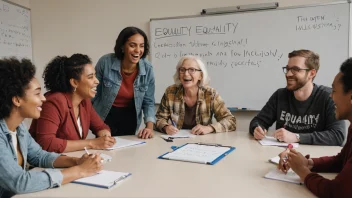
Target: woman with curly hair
68	114
127	86
20	98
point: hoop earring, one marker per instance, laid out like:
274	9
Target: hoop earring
75	89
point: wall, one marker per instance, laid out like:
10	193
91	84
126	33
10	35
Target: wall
24	3
91	27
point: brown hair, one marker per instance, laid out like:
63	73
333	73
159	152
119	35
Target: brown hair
312	59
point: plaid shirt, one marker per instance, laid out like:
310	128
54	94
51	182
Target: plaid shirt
209	103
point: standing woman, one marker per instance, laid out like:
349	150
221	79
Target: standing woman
20	98
68	113
127	86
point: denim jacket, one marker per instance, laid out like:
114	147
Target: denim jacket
108	70
15	179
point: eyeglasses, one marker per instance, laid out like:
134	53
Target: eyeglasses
190	70
294	70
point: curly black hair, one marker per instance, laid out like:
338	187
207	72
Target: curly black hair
124	35
15	76
346	79
61	69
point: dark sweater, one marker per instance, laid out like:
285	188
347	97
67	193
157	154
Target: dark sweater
314	119
341	186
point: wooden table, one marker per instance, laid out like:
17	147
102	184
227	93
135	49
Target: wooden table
240	174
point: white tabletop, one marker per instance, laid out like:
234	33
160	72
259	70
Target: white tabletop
239	174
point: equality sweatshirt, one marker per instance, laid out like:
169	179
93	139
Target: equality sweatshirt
314	119
341	186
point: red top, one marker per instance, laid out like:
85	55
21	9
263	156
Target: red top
57	122
341	186
126	91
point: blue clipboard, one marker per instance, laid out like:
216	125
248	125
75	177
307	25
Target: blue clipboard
209	163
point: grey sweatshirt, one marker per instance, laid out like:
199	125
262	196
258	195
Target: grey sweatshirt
314	119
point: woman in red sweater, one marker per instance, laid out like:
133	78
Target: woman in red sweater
68	114
341	186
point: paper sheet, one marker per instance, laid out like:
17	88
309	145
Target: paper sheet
276	174
122	143
275	160
197	153
182	133
271	141
103	178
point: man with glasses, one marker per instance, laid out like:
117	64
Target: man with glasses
341	163
303	111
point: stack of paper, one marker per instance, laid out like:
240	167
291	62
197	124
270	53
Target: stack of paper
271	141
103	179
122	143
180	134
276	174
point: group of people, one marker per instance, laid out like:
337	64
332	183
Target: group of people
110	99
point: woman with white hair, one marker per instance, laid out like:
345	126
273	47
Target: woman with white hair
191	104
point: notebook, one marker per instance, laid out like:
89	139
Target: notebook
271	141
122	143
103	179
182	133
276	174
199	153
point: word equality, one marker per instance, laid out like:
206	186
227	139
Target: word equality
198	30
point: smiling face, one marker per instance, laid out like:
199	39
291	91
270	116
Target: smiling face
30	105
133	49
187	78
87	85
301	78
342	100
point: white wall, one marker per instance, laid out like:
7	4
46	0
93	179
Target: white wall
64	27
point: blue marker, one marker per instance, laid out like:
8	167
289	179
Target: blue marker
233	108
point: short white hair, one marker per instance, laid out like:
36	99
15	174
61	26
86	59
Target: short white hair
205	77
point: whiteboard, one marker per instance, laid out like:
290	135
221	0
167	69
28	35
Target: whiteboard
15	31
245	52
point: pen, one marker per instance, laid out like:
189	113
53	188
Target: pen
167	139
284	128
289	146
264	130
209	144
259	126
85	148
173	123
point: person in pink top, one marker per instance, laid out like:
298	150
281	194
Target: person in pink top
307	169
